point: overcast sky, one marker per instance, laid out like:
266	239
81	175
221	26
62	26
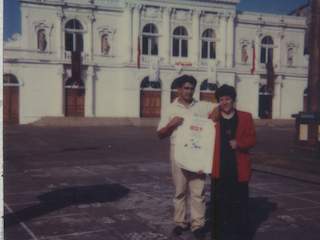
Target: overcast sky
12	14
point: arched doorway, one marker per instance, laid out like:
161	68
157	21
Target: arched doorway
265	103
208	91
10	99
174	91
150	98
74	98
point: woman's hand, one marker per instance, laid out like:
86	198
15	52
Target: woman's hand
234	144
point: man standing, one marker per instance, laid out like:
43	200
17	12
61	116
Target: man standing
171	118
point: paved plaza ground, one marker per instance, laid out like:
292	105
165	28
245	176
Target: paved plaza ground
114	183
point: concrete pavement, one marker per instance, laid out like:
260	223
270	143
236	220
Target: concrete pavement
115	183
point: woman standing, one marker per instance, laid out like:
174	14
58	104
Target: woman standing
235	134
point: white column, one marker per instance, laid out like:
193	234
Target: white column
90	35
165	46
196	36
135	31
276	101
59	35
127	33
258	51
255	100
61	95
277	52
89	94
230	40
223	42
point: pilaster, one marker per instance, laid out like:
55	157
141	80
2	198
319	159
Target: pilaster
166	35
230	40
196	36
89	95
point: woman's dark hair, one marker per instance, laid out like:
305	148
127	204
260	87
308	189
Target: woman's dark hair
226	90
184	79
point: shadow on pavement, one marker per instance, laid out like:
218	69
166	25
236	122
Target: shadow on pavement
62	198
259	208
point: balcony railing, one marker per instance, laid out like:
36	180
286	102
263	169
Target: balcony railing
85	57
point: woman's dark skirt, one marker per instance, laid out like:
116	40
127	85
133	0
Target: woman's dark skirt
229	209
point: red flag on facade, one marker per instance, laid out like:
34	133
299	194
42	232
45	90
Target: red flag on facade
139	51
253	57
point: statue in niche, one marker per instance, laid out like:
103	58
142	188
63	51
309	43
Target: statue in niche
42	42
244	54
290	57
105	45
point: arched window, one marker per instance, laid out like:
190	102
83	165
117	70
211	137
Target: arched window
73	36
10	79
147	84
208	44
208	91
266	53
180	42
105	45
150	40
74	84
42	42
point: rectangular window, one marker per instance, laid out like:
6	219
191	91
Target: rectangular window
270	55
204	49
303	132
145	45
79	42
175	48
69	42
184	50
154	46
263	55
212	50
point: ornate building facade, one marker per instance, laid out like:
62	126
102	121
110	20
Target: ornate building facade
117	40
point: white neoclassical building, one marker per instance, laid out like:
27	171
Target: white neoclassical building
106	45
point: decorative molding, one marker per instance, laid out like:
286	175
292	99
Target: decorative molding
182	15
151	12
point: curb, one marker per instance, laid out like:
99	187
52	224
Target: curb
288	173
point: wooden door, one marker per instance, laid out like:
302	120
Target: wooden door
10	105
75	102
208	96
150	103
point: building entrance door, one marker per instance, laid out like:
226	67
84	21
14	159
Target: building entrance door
10	104
265	103
74	102
150	103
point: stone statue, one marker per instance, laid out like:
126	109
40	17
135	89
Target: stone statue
290	57
105	45
42	41
244	54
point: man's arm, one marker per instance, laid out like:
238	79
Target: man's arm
167	130
215	114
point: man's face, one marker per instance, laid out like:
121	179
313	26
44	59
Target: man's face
186	92
226	103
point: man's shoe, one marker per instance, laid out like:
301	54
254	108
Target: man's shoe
177	231
199	233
